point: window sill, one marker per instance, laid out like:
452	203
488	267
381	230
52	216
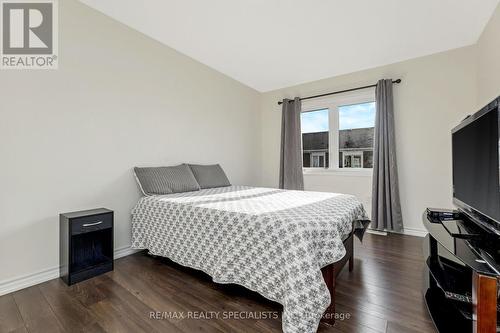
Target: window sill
338	172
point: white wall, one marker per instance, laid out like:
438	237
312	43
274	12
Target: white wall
360	186
70	137
488	61
436	93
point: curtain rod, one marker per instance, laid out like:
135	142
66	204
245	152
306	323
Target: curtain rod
340	91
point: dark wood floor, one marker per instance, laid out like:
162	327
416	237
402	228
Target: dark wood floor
383	294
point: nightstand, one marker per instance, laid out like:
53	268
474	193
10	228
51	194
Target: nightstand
85	244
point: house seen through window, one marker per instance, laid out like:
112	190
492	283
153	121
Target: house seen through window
356	130
343	130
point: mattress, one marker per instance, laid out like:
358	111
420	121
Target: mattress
271	241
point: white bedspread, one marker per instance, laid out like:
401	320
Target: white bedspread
271	241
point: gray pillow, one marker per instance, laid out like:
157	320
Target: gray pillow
166	180
209	176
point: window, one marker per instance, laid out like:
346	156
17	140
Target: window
318	160
315	125
338	131
356	125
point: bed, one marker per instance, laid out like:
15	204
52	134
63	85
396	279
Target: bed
286	245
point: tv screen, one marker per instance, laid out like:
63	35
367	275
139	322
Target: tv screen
476	178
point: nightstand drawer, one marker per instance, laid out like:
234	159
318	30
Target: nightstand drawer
91	223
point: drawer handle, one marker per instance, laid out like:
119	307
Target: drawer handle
92	224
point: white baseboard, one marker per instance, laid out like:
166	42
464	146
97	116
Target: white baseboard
406	231
124	251
25	281
15	284
376	232
415	232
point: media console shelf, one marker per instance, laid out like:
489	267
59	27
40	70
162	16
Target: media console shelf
461	276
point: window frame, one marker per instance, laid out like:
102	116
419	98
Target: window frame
332	103
355	153
317	154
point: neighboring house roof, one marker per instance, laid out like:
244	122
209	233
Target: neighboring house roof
348	139
356	138
315	141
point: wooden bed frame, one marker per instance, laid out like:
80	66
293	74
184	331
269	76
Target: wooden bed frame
330	274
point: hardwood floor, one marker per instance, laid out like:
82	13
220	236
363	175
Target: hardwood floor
382	294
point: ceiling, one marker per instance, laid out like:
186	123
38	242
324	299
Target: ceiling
271	44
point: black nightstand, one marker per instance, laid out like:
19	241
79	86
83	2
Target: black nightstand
85	244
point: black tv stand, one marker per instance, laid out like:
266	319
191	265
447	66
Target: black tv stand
461	275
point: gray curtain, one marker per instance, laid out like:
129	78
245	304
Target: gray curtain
291	177
386	207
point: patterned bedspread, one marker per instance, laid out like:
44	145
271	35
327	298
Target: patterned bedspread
271	241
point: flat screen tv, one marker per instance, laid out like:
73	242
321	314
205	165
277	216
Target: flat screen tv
476	166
